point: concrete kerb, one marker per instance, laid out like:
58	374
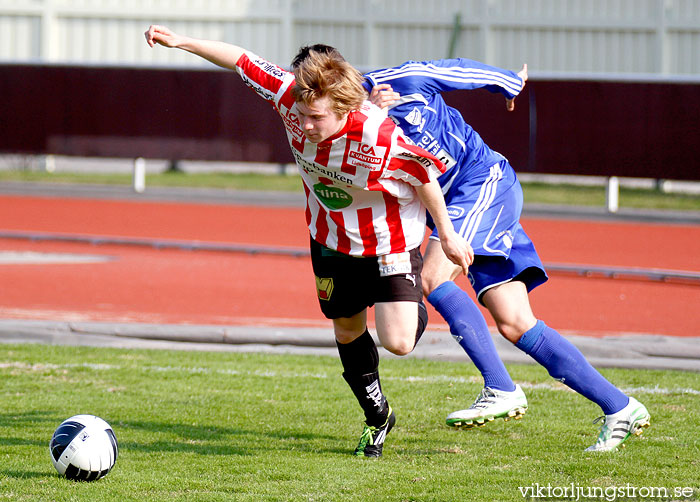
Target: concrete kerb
633	351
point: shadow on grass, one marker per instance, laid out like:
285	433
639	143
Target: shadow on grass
197	439
5	441
35	416
27	474
19	421
217	440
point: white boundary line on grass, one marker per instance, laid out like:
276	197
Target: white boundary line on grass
276	374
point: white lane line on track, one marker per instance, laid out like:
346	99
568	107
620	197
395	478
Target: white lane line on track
36	258
322	376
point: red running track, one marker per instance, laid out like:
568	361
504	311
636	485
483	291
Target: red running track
140	284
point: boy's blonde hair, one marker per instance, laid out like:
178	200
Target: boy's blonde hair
321	75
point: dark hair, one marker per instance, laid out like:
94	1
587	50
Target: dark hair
320	48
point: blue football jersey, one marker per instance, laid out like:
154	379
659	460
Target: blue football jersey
426	119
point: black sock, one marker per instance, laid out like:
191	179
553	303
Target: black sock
360	356
368	391
360	361
422	322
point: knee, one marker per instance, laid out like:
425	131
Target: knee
400	347
345	337
513	329
347	333
431	282
510	332
347	329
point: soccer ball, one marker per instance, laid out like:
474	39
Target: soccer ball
83	448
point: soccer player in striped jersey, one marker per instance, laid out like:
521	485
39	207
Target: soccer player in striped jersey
484	200
367	190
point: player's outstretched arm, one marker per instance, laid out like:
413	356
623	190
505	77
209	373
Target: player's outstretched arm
456	249
219	53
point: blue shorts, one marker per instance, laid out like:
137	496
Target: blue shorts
485	207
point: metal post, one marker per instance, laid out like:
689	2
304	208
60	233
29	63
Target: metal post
49	163
612	194
454	36
139	178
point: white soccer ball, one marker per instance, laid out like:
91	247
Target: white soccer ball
83	448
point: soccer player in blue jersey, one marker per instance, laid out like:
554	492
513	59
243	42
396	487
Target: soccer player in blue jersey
484	199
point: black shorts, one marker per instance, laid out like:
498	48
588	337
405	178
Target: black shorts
346	285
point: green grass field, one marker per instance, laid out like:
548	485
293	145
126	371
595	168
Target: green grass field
205	426
534	192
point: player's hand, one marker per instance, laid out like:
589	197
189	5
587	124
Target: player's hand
383	95
457	250
161	35
523	73
510	103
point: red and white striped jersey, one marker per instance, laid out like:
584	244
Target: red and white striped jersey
359	183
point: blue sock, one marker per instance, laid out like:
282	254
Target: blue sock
468	327
565	363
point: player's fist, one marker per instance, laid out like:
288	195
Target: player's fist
457	250
383	95
161	35
510	103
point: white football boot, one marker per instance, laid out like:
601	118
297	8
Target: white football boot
489	405
618	427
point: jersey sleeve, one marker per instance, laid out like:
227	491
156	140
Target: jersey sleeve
412	164
432	77
267	79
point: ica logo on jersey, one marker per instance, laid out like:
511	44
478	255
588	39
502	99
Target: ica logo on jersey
366	156
291	122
